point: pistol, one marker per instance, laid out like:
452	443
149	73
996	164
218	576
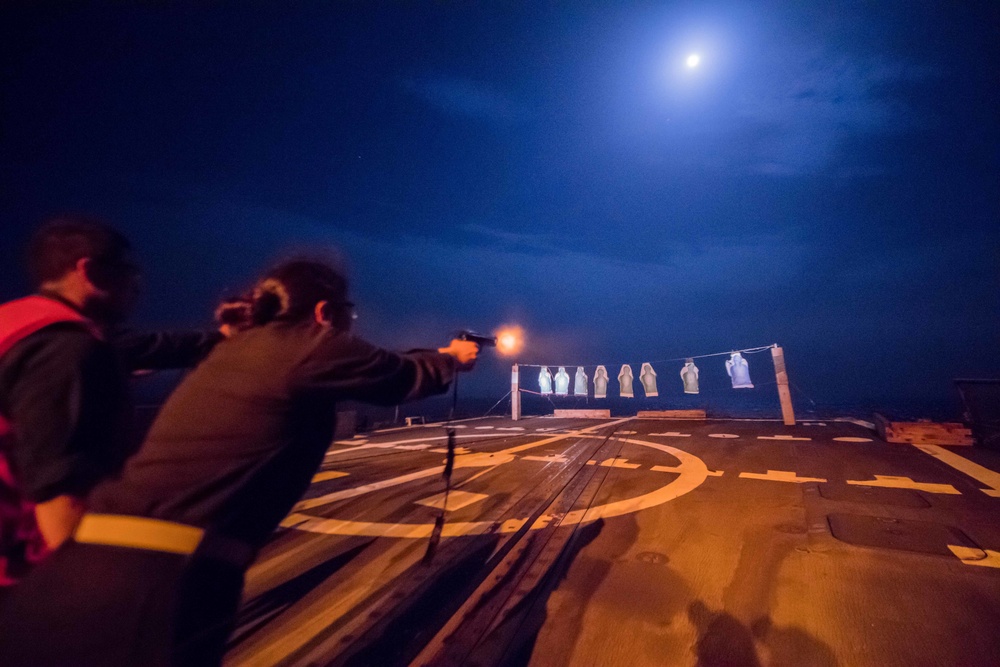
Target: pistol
479	339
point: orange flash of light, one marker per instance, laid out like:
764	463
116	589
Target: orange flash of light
510	340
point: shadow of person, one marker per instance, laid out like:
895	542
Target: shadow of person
723	641
791	646
256	612
512	642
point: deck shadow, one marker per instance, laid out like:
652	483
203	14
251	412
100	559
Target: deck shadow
257	612
725	641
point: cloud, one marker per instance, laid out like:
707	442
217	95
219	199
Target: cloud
804	106
471	99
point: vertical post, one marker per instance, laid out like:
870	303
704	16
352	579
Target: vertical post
515	395
785	396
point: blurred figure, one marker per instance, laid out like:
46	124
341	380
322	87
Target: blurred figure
155	570
64	406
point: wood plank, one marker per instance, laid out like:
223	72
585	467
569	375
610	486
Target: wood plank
582	414
671	414
923	432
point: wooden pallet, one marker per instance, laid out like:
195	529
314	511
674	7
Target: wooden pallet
671	414
923	432
582	414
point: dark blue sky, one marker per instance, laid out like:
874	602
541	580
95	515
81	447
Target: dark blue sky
828	178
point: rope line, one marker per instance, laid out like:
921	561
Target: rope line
749	350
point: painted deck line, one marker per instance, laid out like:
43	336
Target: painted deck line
971	556
893	482
483	428
396	443
780	437
456	500
960	463
618	462
723	435
510	428
374	445
437	470
673	434
678	470
415	448
444	450
848	438
552	458
780	476
367	488
431	425
328	474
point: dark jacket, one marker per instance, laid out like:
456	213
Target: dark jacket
66	393
237	443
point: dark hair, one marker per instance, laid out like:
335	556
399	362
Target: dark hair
291	290
64	240
233	311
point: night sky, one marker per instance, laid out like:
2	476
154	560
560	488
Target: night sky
827	178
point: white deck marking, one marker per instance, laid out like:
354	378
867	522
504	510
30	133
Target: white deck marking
456	500
625	432
546	429
396	443
328	474
893	482
350	442
962	464
673	434
780	437
413	447
483	428
694	473
971	556
553	458
444	450
366	488
852	439
510	428
619	462
723	435
675	469
467	460
780	476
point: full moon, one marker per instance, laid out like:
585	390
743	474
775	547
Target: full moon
693	60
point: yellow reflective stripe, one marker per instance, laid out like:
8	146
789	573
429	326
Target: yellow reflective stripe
138	533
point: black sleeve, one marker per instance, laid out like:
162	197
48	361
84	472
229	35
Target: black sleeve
161	350
68	406
345	367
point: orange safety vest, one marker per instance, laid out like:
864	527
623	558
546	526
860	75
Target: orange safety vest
21	544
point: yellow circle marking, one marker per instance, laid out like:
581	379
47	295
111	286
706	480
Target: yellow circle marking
692	472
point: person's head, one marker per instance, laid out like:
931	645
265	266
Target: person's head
302	290
88	263
233	314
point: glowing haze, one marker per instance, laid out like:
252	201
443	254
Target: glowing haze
510	340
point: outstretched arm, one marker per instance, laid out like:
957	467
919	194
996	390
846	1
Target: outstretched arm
159	350
348	368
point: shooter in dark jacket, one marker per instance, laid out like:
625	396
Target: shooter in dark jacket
155	571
